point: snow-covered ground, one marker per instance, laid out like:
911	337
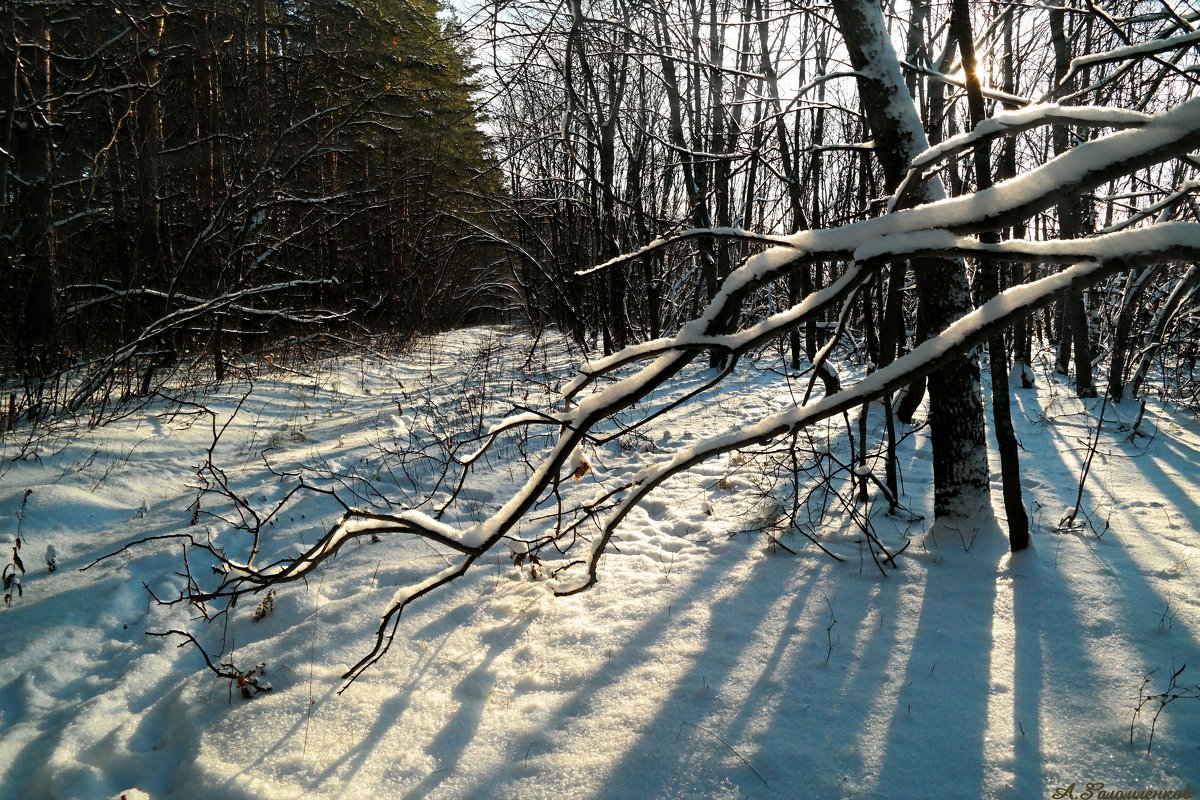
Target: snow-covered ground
706	662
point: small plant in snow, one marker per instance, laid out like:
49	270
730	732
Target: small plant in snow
275	441
638	442
829	640
1161	699
520	560
337	400
15	568
12	575
264	607
248	683
1167	621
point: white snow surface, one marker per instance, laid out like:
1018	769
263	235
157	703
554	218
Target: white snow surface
705	663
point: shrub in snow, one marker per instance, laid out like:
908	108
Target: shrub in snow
12	574
15	568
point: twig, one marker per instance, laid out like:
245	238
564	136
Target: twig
312	657
1069	519
727	745
1173	692
829	631
245	681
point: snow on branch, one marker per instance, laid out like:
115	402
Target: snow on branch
1133	51
737	234
1008	123
945	228
1121	251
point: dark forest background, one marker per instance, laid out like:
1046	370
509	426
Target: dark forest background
215	177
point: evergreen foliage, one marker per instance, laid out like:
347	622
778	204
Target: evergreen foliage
213	174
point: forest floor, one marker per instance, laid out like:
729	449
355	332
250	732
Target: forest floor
708	661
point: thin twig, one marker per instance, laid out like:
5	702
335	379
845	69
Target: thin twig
727	745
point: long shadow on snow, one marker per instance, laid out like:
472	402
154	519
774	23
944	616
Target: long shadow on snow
451	741
1055	586
456	734
30	772
952	653
678	752
657	737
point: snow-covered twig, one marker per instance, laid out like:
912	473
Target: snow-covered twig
941	228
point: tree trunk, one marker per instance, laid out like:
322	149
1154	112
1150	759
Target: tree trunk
1124	328
1175	300
955	406
1073	332
1006	438
9	88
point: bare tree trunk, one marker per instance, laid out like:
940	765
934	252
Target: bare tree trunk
9	87
726	124
148	146
1074	331
801	284
1006	438
1021	331
695	176
634	180
602	126
955	406
1130	304
1175	300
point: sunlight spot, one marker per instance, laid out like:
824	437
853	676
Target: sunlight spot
1002	725
887	696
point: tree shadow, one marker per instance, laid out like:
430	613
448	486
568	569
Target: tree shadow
1092	616
776	676
949	668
